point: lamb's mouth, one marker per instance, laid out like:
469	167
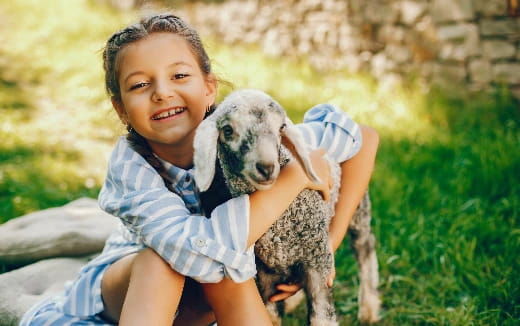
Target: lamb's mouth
168	113
261	184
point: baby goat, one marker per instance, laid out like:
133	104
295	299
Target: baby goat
240	149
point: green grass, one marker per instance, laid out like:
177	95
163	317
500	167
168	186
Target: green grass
445	191
56	126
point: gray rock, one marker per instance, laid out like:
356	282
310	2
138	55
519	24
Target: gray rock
20	289
76	229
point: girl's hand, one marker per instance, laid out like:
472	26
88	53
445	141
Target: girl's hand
290	289
285	291
332	275
322	169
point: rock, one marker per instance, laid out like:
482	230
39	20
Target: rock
506	73
76	229
452	10
20	289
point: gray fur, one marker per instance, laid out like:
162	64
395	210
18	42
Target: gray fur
241	142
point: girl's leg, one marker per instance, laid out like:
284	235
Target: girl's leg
236	303
141	289
194	309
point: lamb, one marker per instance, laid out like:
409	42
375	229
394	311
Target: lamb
239	149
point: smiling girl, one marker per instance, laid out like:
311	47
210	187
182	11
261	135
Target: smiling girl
167	262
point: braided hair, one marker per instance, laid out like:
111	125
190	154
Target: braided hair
111	59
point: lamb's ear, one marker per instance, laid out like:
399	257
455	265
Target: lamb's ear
293	140
205	153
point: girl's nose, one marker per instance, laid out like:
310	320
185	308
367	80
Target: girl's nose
162	92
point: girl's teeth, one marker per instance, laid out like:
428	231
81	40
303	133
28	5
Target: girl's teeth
169	113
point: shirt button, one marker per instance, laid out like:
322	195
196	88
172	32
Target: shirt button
188	178
200	243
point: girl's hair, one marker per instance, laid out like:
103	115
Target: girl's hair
165	23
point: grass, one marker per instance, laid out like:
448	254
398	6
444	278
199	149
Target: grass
56	125
445	191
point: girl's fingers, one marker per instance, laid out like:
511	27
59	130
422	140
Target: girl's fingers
288	287
280	296
332	276
286	290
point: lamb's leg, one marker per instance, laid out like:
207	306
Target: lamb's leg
363	244
320	302
267	285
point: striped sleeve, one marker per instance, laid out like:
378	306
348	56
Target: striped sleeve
328	127
206	250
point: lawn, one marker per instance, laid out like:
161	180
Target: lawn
445	191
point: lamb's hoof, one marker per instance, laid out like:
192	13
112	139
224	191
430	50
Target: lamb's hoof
369	310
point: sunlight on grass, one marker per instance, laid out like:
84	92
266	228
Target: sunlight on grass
390	108
57	123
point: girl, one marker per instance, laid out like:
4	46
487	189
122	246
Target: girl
167	261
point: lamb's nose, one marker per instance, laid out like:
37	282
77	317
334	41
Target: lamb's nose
265	169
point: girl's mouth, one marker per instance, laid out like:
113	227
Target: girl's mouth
168	113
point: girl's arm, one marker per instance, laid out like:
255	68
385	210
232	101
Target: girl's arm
355	146
204	249
267	206
355	178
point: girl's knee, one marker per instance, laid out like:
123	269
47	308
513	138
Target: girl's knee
148	261
223	286
237	303
227	289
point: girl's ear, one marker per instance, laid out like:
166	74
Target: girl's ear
211	88
205	153
120	109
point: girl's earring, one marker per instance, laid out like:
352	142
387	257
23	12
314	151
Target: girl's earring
129	128
209	110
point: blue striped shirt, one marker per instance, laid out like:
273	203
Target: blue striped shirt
206	250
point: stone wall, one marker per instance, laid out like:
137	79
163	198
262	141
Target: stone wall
474	44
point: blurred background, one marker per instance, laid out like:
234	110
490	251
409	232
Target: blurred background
438	79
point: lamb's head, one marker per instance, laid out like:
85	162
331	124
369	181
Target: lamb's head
247	130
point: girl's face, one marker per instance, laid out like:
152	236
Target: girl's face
164	93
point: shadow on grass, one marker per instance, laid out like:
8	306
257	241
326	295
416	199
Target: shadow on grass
33	174
33	179
12	94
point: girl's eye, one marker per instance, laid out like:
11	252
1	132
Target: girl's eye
180	76
138	85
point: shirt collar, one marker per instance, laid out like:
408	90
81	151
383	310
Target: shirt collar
178	175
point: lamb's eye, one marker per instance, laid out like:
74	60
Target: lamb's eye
283	127
227	130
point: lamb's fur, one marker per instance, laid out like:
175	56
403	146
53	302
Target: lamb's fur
239	149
